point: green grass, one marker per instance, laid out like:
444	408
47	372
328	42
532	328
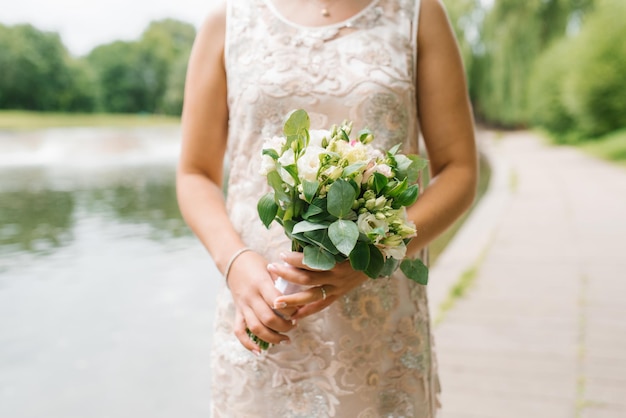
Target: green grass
17	120
611	147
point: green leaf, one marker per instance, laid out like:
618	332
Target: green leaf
376	264
415	270
352	168
380	181
344	135
410	166
391	265
364	133
311	211
306	226
340	197
321	239
267	209
309	188
292	169
274	180
397	189
360	256
344	235
318	258
408	197
271	152
297	122
395	149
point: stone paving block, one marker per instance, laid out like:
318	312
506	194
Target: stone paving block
492	406
603	411
608	393
511	385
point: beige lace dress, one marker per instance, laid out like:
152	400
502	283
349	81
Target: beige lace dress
370	354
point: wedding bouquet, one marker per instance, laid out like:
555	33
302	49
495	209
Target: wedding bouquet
338	198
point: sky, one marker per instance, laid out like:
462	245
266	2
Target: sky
84	24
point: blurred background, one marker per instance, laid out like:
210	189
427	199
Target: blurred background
106	298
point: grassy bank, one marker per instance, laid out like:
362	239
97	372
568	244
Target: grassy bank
12	120
611	147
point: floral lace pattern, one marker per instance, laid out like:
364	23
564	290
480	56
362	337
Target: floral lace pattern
370	353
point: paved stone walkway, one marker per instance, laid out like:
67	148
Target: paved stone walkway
542	331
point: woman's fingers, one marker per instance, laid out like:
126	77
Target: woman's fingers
311	295
313	308
242	335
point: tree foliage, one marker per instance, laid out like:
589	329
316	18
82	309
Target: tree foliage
578	84
513	36
147	75
38	73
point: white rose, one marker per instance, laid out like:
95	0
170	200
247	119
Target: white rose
267	165
287	159
367	222
395	251
309	163
384	169
317	135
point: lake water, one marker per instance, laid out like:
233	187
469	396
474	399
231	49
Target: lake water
106	299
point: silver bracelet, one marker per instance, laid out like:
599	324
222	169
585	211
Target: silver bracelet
232	260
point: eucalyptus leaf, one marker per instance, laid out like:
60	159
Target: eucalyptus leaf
321	239
309	188
360	256
311	211
344	235
376	264
415	270
340	197
391	265
274	180
267	209
318	258
306	226
297	122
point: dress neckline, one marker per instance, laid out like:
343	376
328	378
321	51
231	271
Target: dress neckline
336	25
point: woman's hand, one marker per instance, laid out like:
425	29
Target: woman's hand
254	293
328	286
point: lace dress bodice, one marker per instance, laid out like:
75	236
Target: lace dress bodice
370	353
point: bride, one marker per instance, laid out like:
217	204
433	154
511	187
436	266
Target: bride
348	346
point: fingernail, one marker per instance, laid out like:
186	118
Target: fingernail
280	305
256	353
294	322
283	255
271	268
285	342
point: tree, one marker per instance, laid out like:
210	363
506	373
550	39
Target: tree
513	36
37	72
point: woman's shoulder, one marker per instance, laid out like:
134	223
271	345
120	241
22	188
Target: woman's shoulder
214	26
433	21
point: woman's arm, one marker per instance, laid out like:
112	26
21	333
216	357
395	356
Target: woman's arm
447	125
199	180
